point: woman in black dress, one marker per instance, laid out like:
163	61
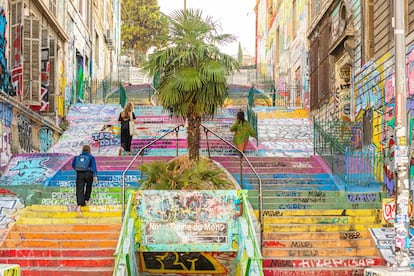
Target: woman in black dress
126	138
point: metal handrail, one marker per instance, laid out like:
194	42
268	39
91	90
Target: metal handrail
176	129
242	155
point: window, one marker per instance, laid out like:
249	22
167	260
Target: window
31	57
368	31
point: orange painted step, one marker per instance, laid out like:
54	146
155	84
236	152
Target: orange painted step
41	252
61	261
67	227
66	271
44	243
64	235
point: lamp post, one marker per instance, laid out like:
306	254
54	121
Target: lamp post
401	226
185	4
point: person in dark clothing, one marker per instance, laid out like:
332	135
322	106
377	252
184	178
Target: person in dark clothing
126	138
84	176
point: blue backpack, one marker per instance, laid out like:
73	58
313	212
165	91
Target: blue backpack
82	163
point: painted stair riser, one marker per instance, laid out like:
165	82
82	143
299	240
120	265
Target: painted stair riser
317	227
66	271
44	243
306	206
329	212
65	261
315	263
266	170
291	187
353	197
38	253
74	220
322	220
63	236
314	272
272	197
67	228
321	252
315	244
348	235
70	214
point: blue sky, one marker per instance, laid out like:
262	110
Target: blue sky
235	16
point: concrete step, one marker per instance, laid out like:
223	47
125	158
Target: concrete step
83	228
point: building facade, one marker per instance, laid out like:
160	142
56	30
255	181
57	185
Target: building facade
51	51
282	54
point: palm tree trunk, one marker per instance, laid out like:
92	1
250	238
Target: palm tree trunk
193	134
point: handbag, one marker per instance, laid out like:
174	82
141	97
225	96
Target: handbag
132	128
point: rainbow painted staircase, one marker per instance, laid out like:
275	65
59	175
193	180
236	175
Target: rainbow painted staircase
52	240
310	226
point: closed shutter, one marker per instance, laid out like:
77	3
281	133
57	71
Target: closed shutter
52	75
16	46
31	56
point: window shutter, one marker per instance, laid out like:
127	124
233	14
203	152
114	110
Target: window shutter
31	57
52	75
16	46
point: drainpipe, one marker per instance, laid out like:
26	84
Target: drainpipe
401	226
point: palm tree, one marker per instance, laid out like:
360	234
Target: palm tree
192	71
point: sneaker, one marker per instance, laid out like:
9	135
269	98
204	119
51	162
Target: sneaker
86	202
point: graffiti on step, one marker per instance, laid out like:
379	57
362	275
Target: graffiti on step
8	206
103	139
326	263
186	262
33	168
363	197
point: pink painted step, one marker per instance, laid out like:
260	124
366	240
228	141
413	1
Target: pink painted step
314	272
36	253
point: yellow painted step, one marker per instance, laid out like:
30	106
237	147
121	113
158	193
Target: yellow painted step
327	252
71	220
347	235
317	227
321	220
63	208
327	212
319	244
69	214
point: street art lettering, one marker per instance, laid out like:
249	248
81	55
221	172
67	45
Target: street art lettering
24	127
325	263
363	197
30	171
194	233
104	139
46	139
180	262
350	235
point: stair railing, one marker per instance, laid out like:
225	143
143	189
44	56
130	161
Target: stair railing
242	156
141	153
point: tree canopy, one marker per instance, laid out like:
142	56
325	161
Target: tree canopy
142	25
192	71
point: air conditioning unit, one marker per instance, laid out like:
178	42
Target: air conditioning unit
108	38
